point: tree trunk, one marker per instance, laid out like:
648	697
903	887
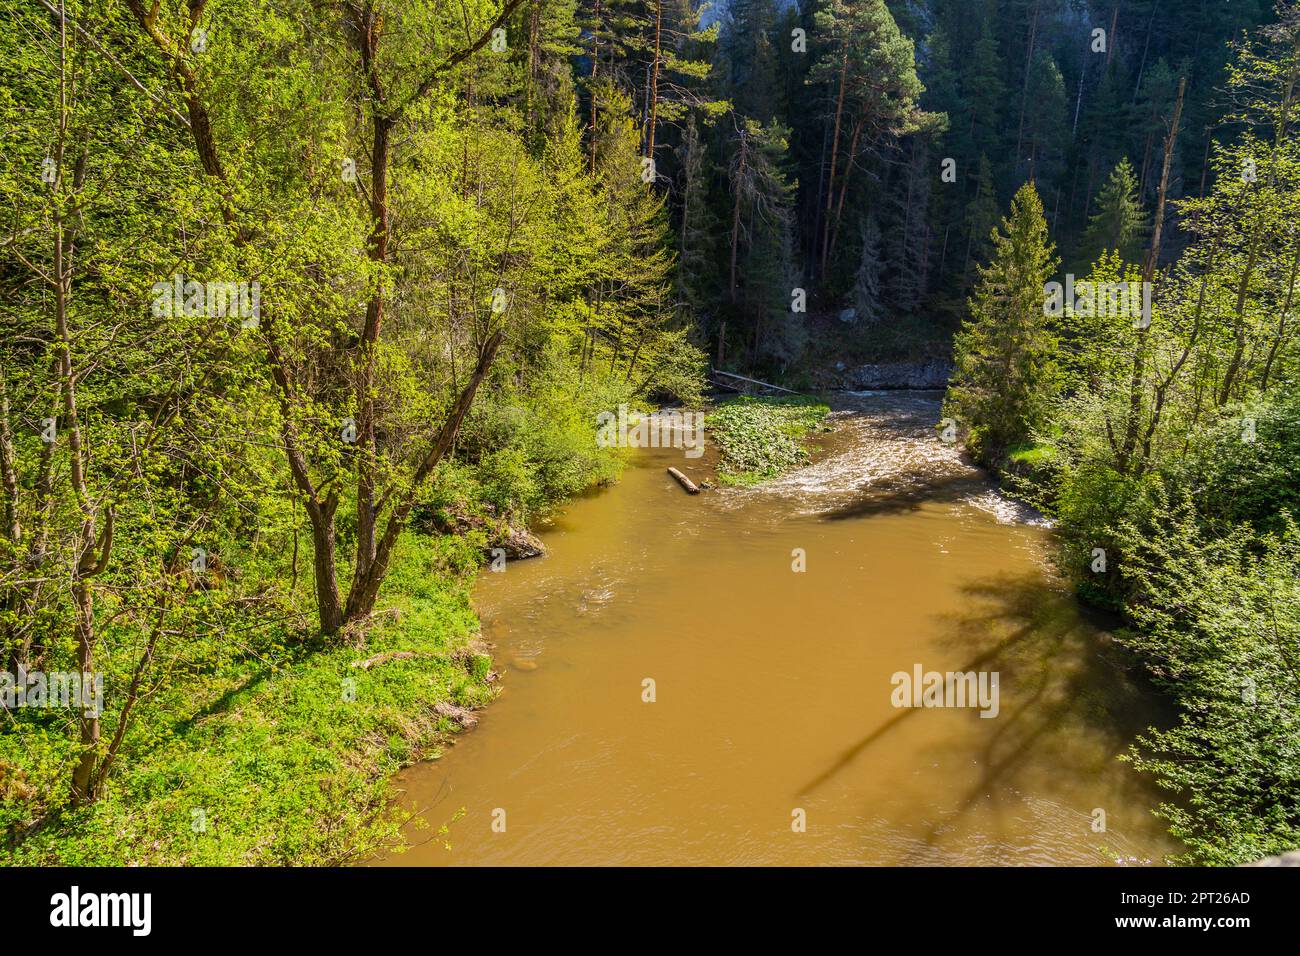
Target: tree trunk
735	217
361	600
1282	320
1024	89
835	149
654	83
324	569
1148	275
595	63
844	186
377	251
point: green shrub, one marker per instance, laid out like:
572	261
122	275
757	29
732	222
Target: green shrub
1217	619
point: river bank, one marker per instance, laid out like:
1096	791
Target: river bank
287	757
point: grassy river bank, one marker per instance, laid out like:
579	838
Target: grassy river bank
281	752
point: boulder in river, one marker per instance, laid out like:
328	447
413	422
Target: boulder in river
519	543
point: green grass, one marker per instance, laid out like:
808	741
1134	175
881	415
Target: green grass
759	438
1031	456
264	746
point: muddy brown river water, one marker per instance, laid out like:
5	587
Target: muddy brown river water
774	689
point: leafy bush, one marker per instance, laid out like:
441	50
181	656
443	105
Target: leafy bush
1218	622
1092	500
1251	464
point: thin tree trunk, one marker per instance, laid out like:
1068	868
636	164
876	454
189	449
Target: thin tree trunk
1157	231
13	530
835	151
1282	320
811	241
1110	37
1146	45
844	186
735	217
367	451
1148	275
595	64
361	601
1146	164
1078	101
654	83
1252	258
1024	89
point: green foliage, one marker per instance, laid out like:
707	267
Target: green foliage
214	482
1251	461
761	438
257	752
1168	454
510	196
1218	620
1006	367
1119	222
525	453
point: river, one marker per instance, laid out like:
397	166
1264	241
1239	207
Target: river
773	688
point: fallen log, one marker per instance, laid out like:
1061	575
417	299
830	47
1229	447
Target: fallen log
690	486
755	381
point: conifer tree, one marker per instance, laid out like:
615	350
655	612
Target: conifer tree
1005	354
697	239
868	68
981	215
1119	221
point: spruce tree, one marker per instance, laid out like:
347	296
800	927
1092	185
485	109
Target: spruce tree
1119	222
697	275
1005	354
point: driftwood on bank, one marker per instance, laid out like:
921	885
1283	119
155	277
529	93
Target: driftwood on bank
690	486
383	658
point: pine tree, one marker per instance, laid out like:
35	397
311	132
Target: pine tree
762	222
868	69
697	277
633	297
1046	133
749	57
1154	100
986	95
909	248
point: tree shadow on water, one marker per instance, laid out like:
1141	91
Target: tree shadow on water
1068	704
897	494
